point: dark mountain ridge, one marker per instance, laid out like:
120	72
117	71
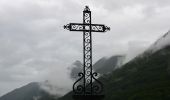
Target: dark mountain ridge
32	91
147	77
107	65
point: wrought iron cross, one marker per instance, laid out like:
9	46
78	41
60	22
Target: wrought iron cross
85	85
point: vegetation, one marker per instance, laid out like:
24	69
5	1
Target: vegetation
145	78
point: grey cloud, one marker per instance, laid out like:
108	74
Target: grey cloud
121	4
34	45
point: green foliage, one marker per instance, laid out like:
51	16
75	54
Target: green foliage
144	78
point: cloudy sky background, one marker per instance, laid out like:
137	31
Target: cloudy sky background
35	47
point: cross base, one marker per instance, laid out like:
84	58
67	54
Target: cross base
88	97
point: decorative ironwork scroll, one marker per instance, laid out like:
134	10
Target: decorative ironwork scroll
79	27
87	84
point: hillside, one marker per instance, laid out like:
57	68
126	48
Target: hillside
146	77
107	65
32	91
102	66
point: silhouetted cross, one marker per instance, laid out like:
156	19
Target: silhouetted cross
87	76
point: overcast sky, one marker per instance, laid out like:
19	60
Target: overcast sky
35	47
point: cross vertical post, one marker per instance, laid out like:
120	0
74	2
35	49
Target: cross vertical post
87	85
87	52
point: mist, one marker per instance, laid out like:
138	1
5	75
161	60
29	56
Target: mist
36	48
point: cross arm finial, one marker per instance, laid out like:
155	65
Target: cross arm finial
67	26
106	28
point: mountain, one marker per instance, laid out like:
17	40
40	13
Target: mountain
32	91
147	77
102	66
107	65
161	42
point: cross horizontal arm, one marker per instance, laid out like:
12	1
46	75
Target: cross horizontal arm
86	27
